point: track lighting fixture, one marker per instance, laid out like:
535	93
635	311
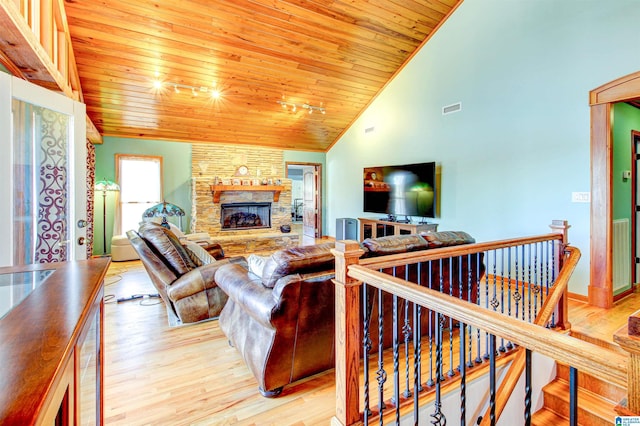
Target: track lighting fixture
195	90
308	107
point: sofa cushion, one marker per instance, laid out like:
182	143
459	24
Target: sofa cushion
296	260
167	245
394	244
447	238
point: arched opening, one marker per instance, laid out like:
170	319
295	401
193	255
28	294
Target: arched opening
601	100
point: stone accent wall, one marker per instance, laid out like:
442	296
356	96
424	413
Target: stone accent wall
221	161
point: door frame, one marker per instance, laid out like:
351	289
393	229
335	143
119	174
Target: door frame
318	207
14	87
601	100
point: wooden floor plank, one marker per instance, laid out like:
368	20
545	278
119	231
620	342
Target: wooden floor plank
189	375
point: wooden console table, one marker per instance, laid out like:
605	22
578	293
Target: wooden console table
373	228
51	349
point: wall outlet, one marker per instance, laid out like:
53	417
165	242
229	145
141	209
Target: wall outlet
580	197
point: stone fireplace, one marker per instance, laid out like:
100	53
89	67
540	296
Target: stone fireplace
247	215
221	164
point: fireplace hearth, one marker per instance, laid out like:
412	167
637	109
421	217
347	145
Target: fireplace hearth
236	216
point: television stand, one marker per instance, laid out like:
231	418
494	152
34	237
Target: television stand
374	228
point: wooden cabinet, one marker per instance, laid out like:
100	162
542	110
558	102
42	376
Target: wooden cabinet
51	347
373	228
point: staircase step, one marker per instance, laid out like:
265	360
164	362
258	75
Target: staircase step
546	417
607	390
592	409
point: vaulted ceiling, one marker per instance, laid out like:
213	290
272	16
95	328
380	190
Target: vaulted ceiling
321	55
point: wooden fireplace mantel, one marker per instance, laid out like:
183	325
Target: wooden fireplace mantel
217	190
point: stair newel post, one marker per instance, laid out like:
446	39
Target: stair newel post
347	336
628	337
562	227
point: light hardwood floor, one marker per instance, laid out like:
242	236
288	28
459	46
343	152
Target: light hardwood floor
189	375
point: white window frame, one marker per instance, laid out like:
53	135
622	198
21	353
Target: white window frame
144	204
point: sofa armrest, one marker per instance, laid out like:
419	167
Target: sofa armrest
247	291
215	250
197	279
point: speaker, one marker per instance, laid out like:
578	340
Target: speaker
346	229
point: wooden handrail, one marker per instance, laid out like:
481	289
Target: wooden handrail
584	356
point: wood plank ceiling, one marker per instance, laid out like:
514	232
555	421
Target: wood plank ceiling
332	54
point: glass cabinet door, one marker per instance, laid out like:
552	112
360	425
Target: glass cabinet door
88	378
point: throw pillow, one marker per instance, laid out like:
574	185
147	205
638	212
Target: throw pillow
256	263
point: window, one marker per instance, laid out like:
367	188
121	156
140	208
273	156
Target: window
140	180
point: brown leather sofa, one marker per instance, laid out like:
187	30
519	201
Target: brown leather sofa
281	309
182	274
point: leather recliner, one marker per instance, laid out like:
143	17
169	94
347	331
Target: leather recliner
182	274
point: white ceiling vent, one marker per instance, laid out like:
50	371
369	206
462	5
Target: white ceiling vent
450	109
369	129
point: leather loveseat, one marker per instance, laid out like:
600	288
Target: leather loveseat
280	313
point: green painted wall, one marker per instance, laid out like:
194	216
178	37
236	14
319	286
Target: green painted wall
625	119
520	146
176	162
176	175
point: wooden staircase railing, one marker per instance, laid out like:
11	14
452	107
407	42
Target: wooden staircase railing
351	272
517	366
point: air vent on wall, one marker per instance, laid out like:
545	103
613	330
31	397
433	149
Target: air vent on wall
450	109
369	129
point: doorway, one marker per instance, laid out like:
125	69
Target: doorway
43	175
601	100
306	198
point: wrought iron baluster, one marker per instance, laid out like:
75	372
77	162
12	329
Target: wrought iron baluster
552	323
430	382
523	284
450	373
509	283
492	380
463	375
517	296
406	331
381	374
418	342
366	346
478	359
573	396
437	416
417	385
396	360
530	282
527	388
502	274
537	274
470	299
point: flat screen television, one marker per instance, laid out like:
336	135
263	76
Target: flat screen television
403	190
